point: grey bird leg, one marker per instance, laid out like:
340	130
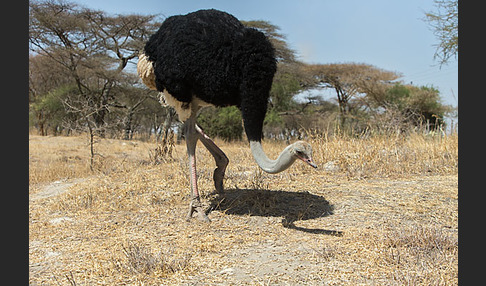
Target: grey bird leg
191	141
219	157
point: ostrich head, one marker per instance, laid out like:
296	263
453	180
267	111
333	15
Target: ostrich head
303	151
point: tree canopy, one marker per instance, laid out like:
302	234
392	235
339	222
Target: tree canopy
444	22
89	50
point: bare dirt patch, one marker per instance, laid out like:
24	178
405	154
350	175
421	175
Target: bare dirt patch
55	188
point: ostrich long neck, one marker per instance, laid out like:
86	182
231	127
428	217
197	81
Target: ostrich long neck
284	160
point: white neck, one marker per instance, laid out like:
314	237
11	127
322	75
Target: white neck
284	160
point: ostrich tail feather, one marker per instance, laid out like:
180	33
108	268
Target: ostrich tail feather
145	70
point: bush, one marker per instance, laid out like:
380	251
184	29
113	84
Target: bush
419	104
47	112
225	123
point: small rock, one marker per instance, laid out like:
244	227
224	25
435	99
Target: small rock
331	166
228	271
52	254
60	219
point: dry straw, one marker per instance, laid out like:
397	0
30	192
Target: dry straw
379	210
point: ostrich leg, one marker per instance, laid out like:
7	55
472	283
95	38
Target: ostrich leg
191	141
219	157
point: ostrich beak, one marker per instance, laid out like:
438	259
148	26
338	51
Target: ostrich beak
309	161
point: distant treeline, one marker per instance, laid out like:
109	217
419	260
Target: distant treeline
82	78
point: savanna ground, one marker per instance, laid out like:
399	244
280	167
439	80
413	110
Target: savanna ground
378	211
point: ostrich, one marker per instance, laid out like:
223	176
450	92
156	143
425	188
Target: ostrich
209	58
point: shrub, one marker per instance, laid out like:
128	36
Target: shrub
225	123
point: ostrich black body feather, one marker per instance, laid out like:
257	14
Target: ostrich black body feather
209	54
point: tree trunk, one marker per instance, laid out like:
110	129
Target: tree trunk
167	122
128	125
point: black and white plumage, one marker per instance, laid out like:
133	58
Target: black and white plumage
209	58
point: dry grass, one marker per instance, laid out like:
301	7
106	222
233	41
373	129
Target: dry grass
378	211
385	156
141	260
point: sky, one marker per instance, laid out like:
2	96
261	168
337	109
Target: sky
388	34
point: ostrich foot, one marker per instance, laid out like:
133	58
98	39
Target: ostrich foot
196	207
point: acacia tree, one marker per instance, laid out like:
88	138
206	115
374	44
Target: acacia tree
47	85
348	80
92	49
444	23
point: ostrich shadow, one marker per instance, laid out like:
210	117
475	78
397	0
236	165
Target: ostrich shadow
292	206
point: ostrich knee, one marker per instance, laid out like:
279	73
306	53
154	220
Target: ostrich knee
218	175
219	157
